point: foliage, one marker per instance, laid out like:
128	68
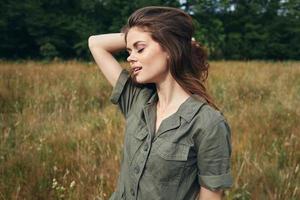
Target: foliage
230	29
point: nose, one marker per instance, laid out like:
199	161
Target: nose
131	58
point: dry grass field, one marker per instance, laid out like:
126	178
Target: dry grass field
61	138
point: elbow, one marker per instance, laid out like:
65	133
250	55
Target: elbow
91	41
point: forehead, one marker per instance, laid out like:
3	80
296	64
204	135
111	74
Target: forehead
137	34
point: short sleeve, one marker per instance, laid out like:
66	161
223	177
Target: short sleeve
125	92
213	156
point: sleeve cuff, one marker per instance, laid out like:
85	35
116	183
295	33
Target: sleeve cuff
215	182
117	90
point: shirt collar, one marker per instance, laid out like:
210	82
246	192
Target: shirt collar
188	108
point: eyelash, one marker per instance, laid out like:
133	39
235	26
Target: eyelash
140	50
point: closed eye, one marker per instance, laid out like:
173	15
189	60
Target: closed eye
140	50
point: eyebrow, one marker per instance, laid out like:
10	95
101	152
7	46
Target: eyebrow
134	44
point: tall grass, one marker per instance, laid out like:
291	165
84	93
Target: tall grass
61	138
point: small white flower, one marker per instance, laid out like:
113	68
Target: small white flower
62	188
54	183
72	184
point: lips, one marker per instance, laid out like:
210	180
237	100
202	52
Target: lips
136	69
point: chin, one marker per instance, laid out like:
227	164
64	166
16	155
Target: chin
140	80
137	80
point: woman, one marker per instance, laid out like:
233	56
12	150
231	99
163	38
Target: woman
177	143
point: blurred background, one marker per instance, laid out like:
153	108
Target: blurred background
230	29
61	138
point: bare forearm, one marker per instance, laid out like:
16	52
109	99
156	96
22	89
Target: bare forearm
102	48
111	42
206	194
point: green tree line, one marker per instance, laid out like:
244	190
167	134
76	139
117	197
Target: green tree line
230	29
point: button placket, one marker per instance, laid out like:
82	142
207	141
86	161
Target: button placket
140	164
144	151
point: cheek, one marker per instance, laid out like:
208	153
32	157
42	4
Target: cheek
155	60
161	63
157	65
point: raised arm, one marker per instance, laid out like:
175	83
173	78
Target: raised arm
102	47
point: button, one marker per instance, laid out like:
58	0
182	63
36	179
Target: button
146	146
132	191
137	169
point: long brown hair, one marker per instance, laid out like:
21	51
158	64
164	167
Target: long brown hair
173	29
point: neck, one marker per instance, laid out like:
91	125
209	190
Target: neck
170	93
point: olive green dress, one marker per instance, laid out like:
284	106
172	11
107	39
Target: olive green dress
191	148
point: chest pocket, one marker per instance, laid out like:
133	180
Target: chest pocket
135	134
167	162
173	151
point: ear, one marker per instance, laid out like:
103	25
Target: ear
168	56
